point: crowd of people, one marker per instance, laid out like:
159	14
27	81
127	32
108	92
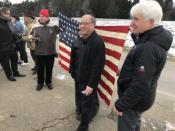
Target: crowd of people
138	77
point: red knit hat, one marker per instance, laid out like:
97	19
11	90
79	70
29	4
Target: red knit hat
44	12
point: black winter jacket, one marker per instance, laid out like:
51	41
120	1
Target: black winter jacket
138	78
87	60
7	41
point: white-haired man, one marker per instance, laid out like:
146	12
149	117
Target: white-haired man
138	78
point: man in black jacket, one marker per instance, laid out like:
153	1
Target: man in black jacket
87	63
141	70
7	45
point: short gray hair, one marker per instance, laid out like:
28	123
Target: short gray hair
3	10
93	20
151	10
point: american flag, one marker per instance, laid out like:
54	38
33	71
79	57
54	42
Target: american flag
114	38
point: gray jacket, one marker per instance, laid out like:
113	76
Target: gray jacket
45	35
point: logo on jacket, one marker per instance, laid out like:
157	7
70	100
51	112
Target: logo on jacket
141	69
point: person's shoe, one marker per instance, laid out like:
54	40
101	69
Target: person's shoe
78	116
11	78
82	128
39	87
23	64
19	75
34	68
50	86
34	72
20	62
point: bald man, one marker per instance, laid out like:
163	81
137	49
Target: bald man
87	64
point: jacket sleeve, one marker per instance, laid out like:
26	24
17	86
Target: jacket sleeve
72	59
97	65
145	64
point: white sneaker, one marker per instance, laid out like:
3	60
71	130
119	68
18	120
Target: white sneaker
23	64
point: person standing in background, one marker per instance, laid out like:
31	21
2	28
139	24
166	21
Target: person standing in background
45	39
20	44
7	45
30	22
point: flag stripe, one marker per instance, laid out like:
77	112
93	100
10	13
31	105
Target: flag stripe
108	76
103	96
111	65
64	59
109	70
114	54
114	41
112	47
64	66
116	35
105	86
123	29
102	89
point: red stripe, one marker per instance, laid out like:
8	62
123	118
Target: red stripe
103	96
65	59
64	50
109	77
111	66
64	67
122	29
114	41
113	53
106	87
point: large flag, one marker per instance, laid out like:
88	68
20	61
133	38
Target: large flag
114	38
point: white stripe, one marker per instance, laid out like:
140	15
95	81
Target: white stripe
105	92
64	54
114	47
106	81
112	34
112	59
65	46
64	63
110	71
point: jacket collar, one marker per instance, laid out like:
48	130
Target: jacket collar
44	24
144	36
6	19
88	40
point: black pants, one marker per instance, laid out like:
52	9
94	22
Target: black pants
87	105
45	68
21	47
32	52
130	121
9	63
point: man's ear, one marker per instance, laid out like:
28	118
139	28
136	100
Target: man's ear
151	22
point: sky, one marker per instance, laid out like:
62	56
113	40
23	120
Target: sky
16	1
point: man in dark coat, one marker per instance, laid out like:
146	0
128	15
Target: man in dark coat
87	64
141	70
7	45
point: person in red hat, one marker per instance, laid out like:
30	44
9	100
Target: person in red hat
45	41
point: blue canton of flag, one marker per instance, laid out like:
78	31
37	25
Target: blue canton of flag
68	29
